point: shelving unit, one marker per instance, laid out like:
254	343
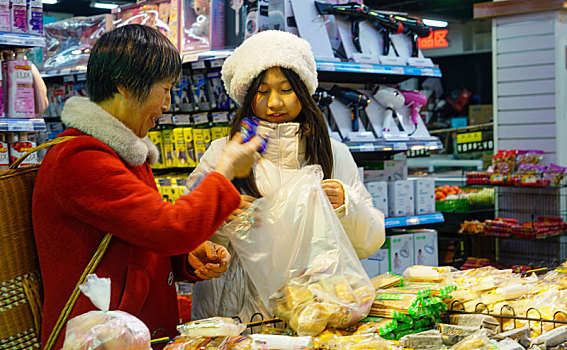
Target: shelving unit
21	125
414	220
22	40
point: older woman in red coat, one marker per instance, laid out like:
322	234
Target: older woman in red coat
101	182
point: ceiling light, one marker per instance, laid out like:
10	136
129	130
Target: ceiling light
435	23
104	5
49	2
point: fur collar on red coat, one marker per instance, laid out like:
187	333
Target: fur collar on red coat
82	114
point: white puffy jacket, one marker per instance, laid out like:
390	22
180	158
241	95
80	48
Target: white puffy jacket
233	294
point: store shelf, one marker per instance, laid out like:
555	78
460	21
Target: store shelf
49	73
414	220
21	125
394	146
25	40
367	68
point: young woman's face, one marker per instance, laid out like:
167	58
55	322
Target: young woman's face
157	102
275	101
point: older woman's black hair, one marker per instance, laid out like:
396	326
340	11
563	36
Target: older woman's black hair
133	56
313	129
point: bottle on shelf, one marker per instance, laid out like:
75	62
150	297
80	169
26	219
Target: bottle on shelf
20	100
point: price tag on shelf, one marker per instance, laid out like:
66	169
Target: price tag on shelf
220	117
198	65
217	63
201	118
181	120
400	146
469	137
20	125
326	66
82	77
366	147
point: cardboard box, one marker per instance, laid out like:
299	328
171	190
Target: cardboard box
401	254
401	198
379	192
385	170
480	114
425	247
376	264
424	195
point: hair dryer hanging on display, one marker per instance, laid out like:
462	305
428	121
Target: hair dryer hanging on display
392	100
414	100
414	28
323	98
355	100
355	13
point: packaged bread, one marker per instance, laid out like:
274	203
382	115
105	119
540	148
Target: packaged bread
104	329
310	307
212	327
386	280
421	273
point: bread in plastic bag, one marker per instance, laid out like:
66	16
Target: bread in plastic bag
300	259
212	327
103	329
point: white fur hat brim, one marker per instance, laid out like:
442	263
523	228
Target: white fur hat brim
264	50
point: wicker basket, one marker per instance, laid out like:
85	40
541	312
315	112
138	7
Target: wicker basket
20	286
20	283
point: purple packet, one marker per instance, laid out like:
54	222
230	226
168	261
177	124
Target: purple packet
248	128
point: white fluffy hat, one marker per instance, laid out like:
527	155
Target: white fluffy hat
265	50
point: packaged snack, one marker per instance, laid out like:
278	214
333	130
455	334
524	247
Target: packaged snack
212	327
210	343
357	342
420	273
104	329
386	280
248	131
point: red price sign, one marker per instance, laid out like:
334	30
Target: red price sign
436	39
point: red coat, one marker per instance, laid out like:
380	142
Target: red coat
85	189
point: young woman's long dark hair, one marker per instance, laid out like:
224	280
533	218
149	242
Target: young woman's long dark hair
313	129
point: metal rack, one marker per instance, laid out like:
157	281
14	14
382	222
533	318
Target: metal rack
510	314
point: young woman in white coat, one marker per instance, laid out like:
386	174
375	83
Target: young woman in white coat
273	75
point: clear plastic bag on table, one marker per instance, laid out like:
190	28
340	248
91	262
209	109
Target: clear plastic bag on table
69	42
212	327
103	329
300	259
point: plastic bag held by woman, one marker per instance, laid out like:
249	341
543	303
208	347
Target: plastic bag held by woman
103	329
300	259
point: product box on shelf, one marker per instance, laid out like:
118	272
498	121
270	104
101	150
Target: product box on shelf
188	136
401	198
480	114
181	158
5	16
68	42
35	17
377	263
379	192
4	157
19	16
425	247
217	94
159	14
18	145
168	148
424	195
200	92
156	138
201	25
401	254
385	170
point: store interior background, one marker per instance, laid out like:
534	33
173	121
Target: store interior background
466	64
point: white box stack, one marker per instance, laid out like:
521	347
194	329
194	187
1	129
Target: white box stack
379	192
401	198
424	195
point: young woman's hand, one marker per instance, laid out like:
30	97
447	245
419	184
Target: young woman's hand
245	203
209	260
334	191
238	158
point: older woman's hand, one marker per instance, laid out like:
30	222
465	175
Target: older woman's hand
238	158
209	260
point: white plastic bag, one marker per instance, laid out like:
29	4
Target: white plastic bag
300	259
103	329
